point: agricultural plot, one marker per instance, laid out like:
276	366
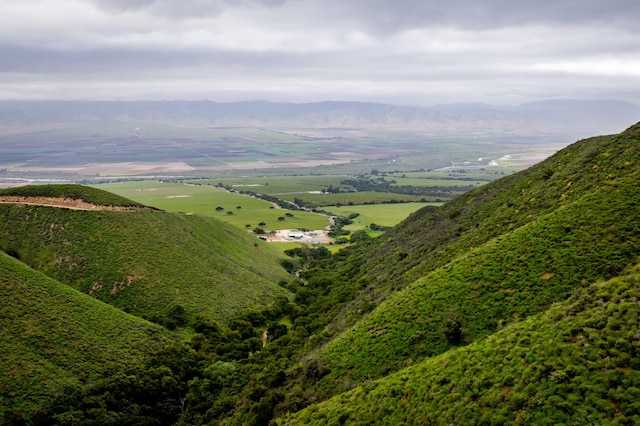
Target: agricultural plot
278	185
352	198
379	214
197	148
237	209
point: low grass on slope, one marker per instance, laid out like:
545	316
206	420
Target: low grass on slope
430	238
513	276
74	192
577	363
146	262
53	337
492	257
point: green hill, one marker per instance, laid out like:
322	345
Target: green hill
491	257
73	192
516	302
577	363
432	237
54	338
149	263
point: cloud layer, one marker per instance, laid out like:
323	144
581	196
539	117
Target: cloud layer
402	51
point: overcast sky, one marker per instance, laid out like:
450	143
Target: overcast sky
416	52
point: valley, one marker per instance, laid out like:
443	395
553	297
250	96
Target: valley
481	284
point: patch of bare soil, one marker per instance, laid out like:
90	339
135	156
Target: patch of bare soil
67	203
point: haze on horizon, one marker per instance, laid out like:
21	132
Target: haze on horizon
415	52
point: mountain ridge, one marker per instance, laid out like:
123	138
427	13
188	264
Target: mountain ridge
145	261
551	116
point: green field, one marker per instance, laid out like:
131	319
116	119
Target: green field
278	185
205	199
380	214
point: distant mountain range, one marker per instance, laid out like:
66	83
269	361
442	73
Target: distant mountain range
567	117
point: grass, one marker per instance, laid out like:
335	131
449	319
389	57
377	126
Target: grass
379	214
205	199
146	262
277	185
574	364
55	337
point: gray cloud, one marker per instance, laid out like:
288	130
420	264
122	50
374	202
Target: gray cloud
177	9
395	15
407	51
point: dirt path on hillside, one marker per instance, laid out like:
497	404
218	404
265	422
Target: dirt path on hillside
67	203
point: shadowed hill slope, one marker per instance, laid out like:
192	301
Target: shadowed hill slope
54	338
145	262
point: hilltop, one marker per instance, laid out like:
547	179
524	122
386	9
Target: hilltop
68	195
143	261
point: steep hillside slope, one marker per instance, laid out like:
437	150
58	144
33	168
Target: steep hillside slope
146	262
431	237
578	363
489	258
53	338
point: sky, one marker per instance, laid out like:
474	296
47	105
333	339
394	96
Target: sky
412	52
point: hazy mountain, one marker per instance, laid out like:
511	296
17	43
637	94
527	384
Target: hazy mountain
553	116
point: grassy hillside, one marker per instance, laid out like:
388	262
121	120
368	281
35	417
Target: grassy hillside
53	338
431	237
489	258
577	363
74	192
516	302
146	262
505	279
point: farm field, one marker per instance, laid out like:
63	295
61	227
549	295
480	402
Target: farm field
237	209
205	199
379	214
277	185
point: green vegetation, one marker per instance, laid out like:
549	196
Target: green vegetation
492	256
577	363
514	303
146	262
215	202
55	339
74	192
378	214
